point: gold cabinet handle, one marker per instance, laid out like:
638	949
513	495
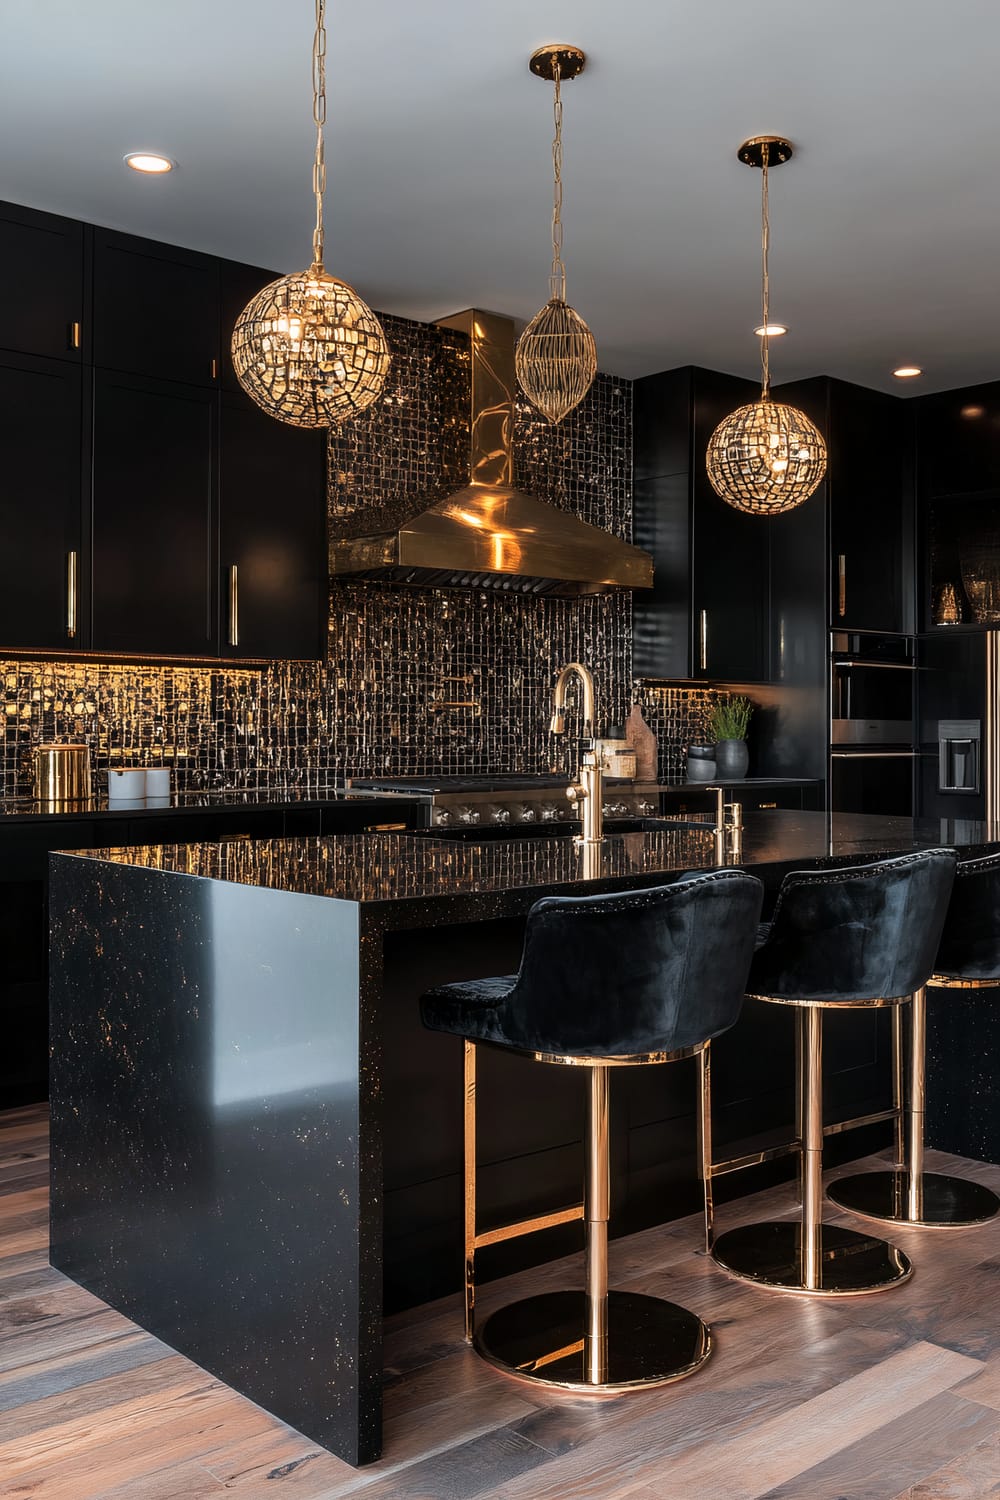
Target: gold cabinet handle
74	336
71	580
703	639
234	606
841	584
215	369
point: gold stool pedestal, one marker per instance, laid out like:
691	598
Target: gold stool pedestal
839	1263
927	1200
545	1340
908	1194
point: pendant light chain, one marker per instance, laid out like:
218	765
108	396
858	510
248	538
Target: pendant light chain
765	247
557	278
319	118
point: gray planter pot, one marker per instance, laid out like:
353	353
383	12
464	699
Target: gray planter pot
731	759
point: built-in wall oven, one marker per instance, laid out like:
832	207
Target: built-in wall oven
873	754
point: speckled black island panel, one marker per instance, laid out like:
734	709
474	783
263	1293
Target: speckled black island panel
206	1120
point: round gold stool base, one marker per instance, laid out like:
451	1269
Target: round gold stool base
650	1342
849	1263
941	1201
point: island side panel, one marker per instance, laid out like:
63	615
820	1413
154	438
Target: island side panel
206	1175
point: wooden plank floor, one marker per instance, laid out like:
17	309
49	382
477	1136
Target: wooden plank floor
889	1397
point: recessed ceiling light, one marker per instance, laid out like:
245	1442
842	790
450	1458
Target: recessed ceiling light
907	372
773	330
149	161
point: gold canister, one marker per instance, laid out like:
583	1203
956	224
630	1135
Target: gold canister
62	775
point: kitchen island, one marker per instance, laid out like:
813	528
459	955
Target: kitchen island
249	1125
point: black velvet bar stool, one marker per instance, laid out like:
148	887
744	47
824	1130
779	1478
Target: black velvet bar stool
856	937
968	959
621	980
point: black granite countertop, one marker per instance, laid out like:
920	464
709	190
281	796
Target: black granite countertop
457	881
25	808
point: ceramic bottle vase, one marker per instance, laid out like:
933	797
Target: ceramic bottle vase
731	759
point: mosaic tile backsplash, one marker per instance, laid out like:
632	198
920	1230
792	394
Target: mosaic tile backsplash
416	682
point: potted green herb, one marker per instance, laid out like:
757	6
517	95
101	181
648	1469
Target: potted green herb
728	720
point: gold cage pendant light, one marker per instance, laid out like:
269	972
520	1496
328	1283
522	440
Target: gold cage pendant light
307	348
765	458
556	356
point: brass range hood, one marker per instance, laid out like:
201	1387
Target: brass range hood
490	535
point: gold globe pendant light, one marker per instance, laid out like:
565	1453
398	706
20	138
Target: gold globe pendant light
307	348
765	458
556	357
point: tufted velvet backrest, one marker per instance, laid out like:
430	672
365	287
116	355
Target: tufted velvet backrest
636	971
868	932
970	942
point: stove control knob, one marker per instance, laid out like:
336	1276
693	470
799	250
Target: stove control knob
469	815
615	809
550	812
442	817
500	815
647	809
526	814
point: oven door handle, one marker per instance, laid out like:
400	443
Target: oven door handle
874	754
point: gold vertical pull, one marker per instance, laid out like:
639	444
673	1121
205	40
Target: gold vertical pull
841	584
74	336
215	369
234	606
703	639
71	580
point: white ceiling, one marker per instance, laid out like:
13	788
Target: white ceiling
886	225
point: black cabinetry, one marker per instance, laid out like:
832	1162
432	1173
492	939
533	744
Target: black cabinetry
958	490
707	612
42	271
272	581
154	487
735	597
869	493
156	309
42	584
138	474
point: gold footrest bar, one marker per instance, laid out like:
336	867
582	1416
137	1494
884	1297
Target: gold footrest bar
791	1148
754	1158
528	1226
859	1120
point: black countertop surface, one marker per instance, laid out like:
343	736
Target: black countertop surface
448	880
14	809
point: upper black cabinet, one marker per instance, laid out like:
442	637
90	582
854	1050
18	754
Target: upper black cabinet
958	441
153	515
238	283
869	490
43	600
707	614
271	529
156	309
42	271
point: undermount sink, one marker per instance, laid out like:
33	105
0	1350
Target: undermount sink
492	832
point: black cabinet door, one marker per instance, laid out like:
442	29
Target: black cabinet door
871	512
238	283
272	529
156	309
41	269
958	441
730	554
41	504
154	489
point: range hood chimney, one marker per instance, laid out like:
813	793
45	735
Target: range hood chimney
490	535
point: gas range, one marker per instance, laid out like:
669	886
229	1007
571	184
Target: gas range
498	801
